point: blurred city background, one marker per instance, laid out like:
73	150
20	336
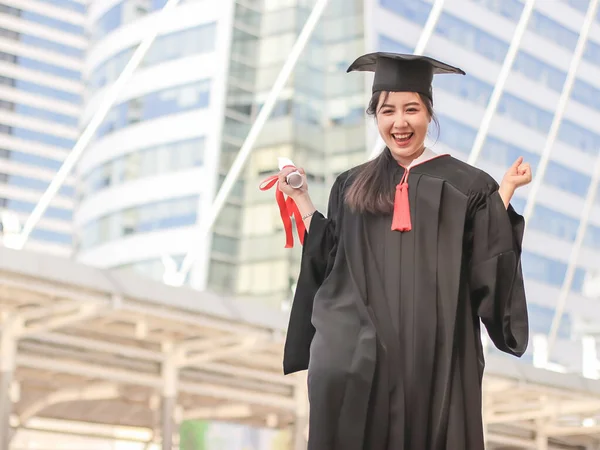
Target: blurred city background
144	283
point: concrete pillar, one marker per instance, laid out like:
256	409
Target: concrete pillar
541	438
170	375
302	411
8	350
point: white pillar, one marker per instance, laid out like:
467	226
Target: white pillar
541	438
509	59
8	351
590	199
302	410
560	109
170	375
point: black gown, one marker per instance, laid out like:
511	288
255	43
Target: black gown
388	323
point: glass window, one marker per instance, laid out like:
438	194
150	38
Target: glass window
35	184
554	223
469	88
568	180
387	44
42	19
165	214
40	66
580	5
38	89
165	158
37	136
151	268
543	269
156	104
525	113
546	27
541	317
592	237
504	154
28	158
415	10
592	52
122	13
470	37
455	134
552	30
511	9
586	94
549	271
39	113
55	237
109	21
222	276
537	70
168	47
27	207
225	245
67	4
46	44
579	137
518	204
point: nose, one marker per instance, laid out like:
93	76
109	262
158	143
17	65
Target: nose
400	121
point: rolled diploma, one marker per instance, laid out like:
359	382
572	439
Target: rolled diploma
294	179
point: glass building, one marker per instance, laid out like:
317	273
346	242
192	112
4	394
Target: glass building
160	156
149	172
520	127
42	47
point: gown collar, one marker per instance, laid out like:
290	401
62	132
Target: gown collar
425	156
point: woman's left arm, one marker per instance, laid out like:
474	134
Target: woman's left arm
517	175
496	278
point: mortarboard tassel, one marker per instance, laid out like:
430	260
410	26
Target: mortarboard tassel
401	220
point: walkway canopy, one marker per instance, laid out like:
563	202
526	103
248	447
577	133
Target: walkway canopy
93	345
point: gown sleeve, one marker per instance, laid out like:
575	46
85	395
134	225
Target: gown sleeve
496	278
318	253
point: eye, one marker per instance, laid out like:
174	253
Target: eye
412	110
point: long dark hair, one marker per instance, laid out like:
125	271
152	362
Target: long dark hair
371	189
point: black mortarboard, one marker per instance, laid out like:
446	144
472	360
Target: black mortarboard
402	73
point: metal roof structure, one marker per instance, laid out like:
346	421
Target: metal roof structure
98	346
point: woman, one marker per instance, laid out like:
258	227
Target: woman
416	249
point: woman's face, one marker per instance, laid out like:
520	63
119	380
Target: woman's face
402	119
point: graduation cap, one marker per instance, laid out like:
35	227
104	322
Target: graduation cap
402	73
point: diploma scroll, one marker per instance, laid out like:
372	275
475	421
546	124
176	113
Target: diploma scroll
294	179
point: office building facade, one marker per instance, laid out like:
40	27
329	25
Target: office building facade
42	47
149	172
519	128
161	155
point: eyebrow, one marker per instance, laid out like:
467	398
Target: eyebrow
386	105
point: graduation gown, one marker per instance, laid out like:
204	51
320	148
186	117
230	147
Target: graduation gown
388	323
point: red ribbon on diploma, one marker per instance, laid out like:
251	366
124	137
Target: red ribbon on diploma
287	208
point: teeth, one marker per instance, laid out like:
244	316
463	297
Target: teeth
401	136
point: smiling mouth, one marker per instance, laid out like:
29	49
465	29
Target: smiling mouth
402	138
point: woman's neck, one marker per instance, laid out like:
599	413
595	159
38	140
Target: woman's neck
407	161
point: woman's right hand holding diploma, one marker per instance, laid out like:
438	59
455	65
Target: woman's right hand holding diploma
299	195
286	188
